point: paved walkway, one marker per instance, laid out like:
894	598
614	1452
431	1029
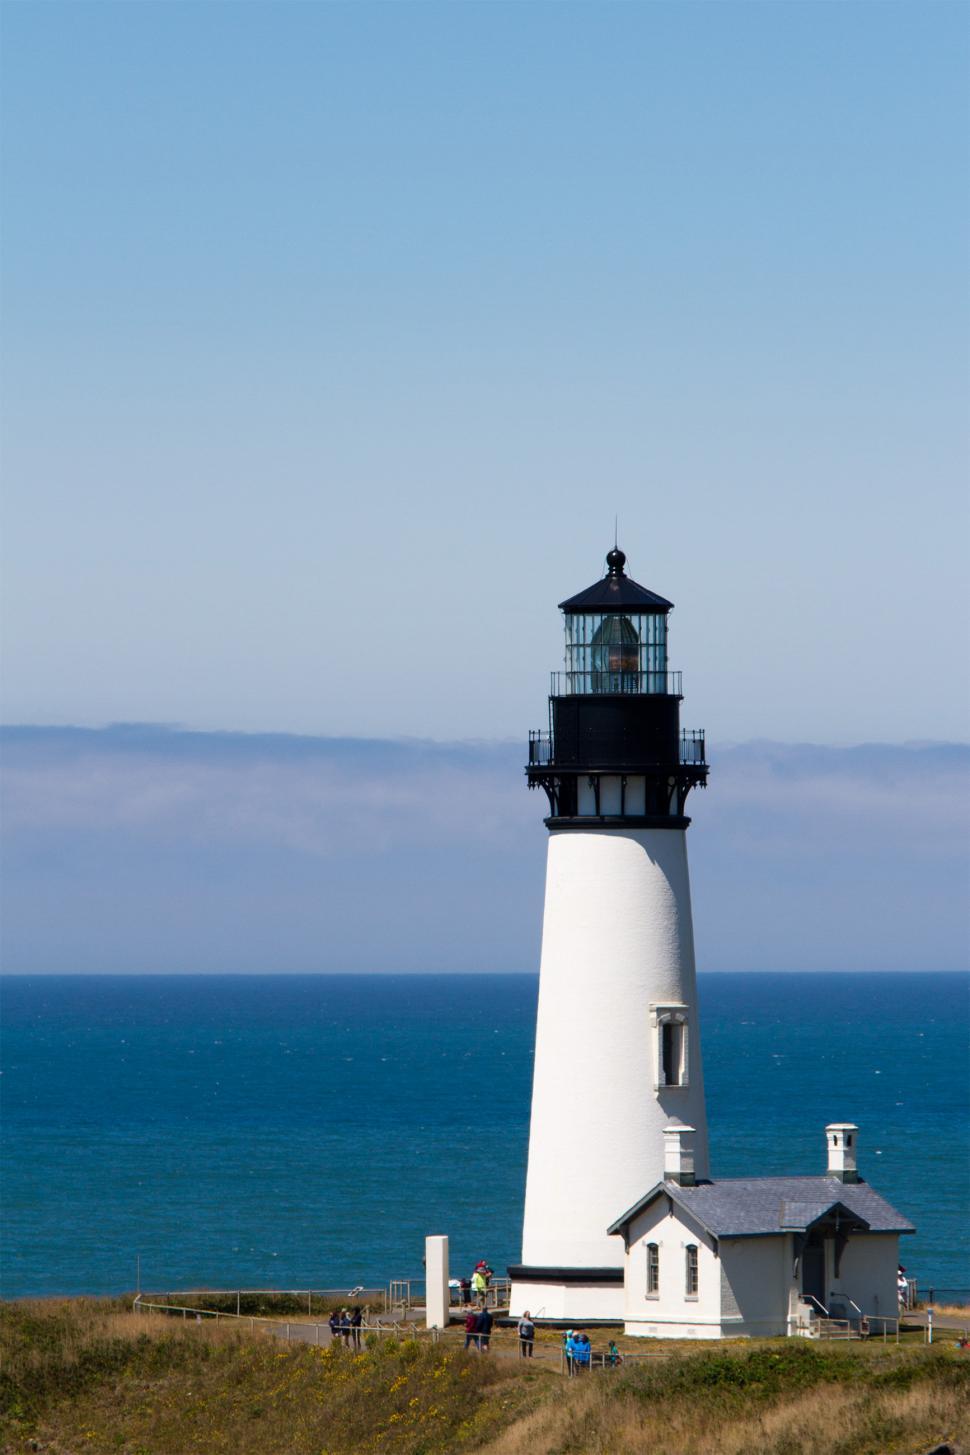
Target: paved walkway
916	1318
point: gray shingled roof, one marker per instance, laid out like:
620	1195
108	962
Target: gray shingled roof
744	1207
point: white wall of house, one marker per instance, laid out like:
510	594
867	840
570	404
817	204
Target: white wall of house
756	1279
867	1273
671	1314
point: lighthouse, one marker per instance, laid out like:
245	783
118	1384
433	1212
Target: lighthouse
617	1076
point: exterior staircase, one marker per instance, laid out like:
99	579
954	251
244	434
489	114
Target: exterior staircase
814	1321
835	1329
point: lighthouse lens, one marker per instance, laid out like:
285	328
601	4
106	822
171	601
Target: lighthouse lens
615	654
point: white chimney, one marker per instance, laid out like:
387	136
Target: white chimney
841	1140
679	1154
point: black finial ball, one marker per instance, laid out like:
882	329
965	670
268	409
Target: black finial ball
616	560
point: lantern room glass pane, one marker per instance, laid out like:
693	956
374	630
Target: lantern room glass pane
609	652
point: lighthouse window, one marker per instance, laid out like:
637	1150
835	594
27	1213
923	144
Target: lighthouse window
653	1270
616	652
672	1053
690	1286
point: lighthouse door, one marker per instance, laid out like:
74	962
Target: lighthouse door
813	1269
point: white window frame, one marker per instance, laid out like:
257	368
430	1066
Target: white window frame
672	1013
653	1266
692	1272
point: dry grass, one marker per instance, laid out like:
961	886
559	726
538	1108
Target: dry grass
88	1376
827	1421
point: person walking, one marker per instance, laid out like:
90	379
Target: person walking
567	1349
471	1324
613	1355
356	1319
527	1335
334	1322
479	1286
483	1327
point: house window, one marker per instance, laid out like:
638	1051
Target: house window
690	1288
653	1271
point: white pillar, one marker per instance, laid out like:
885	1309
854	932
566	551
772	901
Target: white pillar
617	967
436	1281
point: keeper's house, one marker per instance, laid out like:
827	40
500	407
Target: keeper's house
760	1256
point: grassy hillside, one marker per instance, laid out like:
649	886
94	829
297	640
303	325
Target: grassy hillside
87	1376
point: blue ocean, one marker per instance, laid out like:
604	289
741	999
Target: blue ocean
294	1131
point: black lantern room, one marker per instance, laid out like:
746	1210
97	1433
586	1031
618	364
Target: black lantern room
614	752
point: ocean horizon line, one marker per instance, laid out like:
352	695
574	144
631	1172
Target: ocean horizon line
416	974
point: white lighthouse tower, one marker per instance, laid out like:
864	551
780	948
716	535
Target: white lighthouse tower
617	1060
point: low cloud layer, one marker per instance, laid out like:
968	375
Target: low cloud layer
150	849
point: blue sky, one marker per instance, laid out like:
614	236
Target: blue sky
336	335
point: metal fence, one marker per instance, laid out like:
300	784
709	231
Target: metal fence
497	1295
318	1332
323	1298
406	1293
399	1294
959	1296
499	1343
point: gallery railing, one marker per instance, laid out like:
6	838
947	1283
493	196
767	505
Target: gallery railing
606	683
692	749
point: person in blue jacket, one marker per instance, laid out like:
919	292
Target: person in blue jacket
582	1352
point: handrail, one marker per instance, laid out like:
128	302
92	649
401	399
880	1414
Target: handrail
607	683
886	1321
843	1298
691	751
810	1297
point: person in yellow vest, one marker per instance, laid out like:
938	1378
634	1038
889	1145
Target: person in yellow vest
479	1286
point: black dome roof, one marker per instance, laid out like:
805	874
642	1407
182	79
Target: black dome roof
617	592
